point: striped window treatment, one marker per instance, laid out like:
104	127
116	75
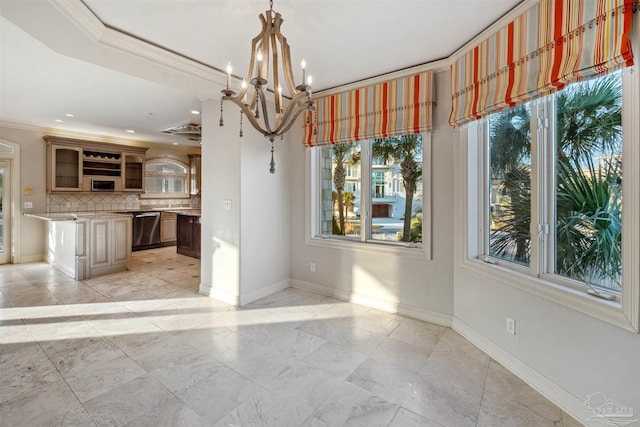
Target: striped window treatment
554	43
397	107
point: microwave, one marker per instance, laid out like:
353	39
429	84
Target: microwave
103	185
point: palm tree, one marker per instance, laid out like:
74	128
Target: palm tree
406	150
510	151
342	154
348	198
588	198
589	224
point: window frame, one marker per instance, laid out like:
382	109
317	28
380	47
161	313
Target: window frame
623	312
175	195
314	203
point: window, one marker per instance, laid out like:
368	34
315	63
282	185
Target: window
552	176
166	178
371	191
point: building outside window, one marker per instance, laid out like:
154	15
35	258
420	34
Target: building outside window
386	212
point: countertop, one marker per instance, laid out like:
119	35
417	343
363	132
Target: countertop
73	216
188	212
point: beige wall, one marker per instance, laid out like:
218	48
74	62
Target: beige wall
416	286
31	232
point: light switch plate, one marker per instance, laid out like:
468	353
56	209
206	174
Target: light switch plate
226	204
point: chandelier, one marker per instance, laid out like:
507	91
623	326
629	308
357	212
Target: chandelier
265	108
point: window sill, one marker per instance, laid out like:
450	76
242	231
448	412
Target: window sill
397	249
608	311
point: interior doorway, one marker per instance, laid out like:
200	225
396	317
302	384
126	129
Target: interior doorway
5	211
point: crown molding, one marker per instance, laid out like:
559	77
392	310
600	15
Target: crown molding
84	19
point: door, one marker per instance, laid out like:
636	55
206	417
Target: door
66	168
5	210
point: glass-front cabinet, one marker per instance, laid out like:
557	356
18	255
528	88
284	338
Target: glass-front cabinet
134	172
65	171
87	166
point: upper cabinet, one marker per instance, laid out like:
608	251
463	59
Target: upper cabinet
77	165
195	166
64	168
134	172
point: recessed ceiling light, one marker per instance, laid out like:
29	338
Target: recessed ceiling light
70	115
131	131
175	143
59	121
195	112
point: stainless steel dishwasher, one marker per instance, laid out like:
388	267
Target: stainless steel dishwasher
146	230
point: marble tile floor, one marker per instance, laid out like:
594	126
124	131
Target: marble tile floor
142	348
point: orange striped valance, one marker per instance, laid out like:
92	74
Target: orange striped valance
554	43
397	107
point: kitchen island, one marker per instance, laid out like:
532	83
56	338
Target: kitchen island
188	232
87	244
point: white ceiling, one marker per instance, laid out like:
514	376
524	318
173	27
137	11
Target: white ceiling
112	62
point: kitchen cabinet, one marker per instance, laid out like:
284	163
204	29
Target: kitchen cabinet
88	246
195	173
64	168
188	235
133	172
168	225
72	165
109	244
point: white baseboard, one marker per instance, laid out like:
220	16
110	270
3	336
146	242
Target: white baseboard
543	385
247	297
25	259
243	298
377	303
219	294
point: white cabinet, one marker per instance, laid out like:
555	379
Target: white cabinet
89	247
109	245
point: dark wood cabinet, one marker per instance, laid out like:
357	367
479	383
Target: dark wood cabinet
188	235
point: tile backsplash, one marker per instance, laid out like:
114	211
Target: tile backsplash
83	202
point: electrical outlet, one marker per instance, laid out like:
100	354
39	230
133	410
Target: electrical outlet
28	205
511	326
312	266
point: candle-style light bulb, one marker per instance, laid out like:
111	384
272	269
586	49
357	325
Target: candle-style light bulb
309	80
229	70
303	65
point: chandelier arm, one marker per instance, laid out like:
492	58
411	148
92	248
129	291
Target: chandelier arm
249	115
265	112
291	115
286	56
276	78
